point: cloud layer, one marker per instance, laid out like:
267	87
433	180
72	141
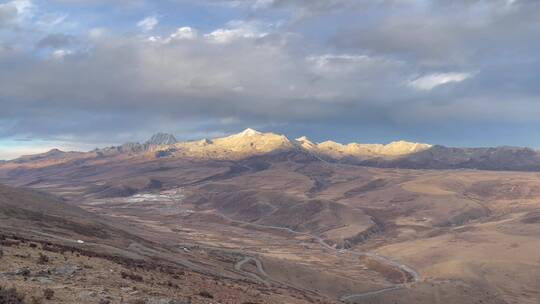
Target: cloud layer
352	70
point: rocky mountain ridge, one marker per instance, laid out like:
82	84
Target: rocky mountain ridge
251	143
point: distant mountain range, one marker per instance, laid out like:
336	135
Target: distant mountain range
251	143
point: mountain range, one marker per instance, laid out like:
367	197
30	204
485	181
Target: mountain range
314	222
251	143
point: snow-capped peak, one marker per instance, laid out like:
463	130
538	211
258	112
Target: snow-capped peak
306	143
249	132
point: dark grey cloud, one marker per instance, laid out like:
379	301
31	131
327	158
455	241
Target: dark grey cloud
412	69
56	41
12	12
449	33
247	79
8	14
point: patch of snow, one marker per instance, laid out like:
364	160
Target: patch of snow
249	132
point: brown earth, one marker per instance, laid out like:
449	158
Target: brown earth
471	235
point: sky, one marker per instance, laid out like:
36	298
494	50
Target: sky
80	74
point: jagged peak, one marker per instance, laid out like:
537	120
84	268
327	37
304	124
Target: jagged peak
160	139
305	143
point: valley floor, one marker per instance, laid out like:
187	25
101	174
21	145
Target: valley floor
294	230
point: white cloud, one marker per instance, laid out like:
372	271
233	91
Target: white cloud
27	15
61	53
235	30
185	32
366	69
182	33
148	23
52	20
261	4
348	63
328	59
431	81
16	12
25	8
97	33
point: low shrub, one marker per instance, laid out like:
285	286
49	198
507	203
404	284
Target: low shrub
36	300
131	276
206	294
43	259
9	243
48	294
10	296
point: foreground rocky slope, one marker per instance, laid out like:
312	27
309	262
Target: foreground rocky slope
43	259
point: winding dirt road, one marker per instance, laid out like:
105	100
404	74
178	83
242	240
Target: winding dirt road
260	269
405	268
348	297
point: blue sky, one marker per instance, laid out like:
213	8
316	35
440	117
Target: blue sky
79	74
